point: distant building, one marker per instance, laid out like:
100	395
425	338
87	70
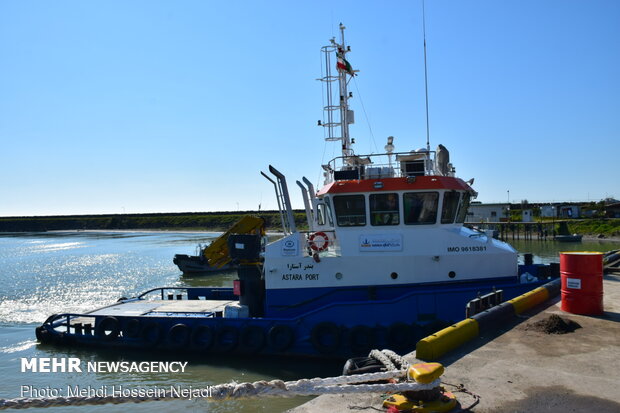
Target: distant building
560	211
612	210
479	212
527	216
548	211
569	211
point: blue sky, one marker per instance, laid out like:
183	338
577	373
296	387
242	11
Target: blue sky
165	106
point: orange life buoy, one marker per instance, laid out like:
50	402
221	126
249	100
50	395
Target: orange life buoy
323	243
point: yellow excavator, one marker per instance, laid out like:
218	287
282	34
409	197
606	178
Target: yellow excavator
217	253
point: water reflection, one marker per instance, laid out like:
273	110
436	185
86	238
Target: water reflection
549	251
54	272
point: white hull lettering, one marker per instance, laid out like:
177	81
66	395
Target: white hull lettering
299	277
475	248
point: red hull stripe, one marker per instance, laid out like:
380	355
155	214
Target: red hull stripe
395	184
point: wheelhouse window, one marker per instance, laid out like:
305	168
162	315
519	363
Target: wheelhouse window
350	210
463	206
320	209
324	214
384	209
450	206
420	208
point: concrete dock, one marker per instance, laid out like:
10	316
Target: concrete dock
521	369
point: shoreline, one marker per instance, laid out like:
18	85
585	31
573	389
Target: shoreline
586	237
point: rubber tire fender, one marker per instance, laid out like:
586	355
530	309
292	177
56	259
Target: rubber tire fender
227	338
110	324
43	335
252	339
202	337
132	328
281	337
400	337
178	335
362	339
151	333
321	332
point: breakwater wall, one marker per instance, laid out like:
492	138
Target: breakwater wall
210	221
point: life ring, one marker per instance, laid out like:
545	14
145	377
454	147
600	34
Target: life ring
252	339
132	328
202	337
227	338
108	328
362	339
151	333
178	335
325	337
281	337
324	241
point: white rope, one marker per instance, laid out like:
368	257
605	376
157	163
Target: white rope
274	388
396	359
384	359
391	360
358	383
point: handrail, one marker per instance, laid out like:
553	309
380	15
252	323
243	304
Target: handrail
162	289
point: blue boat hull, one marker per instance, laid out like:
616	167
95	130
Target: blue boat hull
335	323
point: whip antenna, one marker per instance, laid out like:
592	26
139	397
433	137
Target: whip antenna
428	139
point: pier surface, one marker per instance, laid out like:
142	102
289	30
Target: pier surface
522	369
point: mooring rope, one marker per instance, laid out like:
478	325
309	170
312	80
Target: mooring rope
358	383
273	388
389	359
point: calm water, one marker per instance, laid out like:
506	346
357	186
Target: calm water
548	251
47	273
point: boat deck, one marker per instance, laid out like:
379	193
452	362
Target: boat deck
164	308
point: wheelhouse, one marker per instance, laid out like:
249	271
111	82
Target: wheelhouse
394	207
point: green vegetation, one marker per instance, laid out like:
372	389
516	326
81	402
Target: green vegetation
209	221
610	227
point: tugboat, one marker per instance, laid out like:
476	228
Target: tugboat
385	261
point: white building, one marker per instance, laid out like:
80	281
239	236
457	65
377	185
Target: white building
487	212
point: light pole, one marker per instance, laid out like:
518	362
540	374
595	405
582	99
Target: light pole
508	207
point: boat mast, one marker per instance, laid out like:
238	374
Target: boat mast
428	136
338	116
344	96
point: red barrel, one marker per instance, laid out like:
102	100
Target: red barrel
582	282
